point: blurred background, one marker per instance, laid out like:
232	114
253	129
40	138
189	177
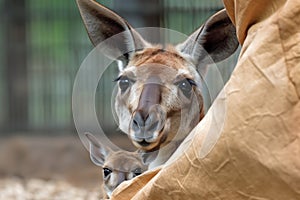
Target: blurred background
42	44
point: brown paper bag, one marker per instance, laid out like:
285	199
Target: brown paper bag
248	144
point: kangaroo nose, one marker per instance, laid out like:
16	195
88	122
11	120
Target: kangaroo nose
144	123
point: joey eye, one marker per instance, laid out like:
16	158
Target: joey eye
106	172
124	83
137	171
186	86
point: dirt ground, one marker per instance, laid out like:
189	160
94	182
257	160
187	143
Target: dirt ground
48	168
38	189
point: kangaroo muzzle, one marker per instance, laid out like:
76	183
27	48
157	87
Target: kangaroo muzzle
149	118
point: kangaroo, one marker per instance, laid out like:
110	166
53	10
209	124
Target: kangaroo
117	166
159	95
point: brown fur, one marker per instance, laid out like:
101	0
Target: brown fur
180	105
157	55
172	102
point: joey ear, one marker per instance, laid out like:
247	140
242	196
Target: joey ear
148	157
102	23
217	38
98	152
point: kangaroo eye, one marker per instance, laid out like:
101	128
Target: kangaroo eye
137	171
186	86
124	83
106	172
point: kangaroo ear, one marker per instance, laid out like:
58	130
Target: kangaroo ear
216	39
98	152
102	23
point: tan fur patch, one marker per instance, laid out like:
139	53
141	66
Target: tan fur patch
158	55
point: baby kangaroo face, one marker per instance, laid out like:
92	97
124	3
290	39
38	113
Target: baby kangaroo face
117	166
121	166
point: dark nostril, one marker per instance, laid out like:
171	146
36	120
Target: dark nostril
135	125
137	121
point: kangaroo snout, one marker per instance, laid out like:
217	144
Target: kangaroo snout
147	126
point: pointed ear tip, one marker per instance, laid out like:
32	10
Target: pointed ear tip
223	11
87	4
219	16
81	2
92	139
84	1
87	134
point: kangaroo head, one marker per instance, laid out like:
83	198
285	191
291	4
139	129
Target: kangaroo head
117	166
159	91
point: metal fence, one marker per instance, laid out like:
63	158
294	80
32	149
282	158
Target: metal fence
44	42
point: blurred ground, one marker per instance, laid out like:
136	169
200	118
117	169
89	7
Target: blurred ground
48	168
37	189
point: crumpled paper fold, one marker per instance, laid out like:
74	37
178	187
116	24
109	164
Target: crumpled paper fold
257	153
